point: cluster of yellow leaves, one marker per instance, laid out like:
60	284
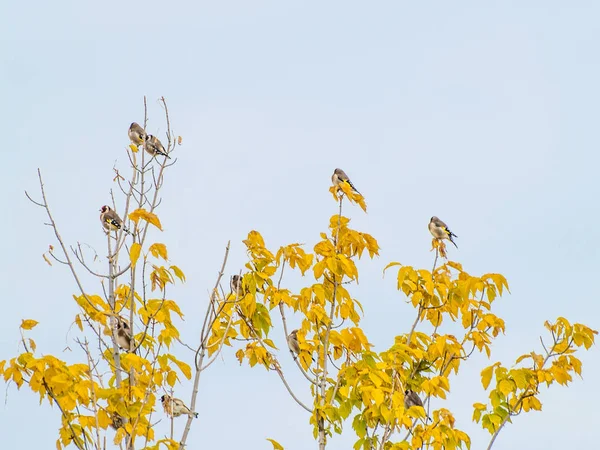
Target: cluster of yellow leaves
349	193
86	400
517	389
85	403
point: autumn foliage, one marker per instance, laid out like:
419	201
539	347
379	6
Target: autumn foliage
115	391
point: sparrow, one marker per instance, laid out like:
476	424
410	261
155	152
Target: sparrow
439	230
154	147
175	407
111	220
294	345
124	336
339	176
412	399
136	133
235	283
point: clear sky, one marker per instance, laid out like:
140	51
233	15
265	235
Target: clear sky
484	115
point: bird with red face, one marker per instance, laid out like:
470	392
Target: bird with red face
111	220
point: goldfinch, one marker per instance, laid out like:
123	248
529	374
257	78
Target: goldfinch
412	399
111	220
440	230
117	421
339	176
235	283
175	407
136	133
294	345
124	337
154	147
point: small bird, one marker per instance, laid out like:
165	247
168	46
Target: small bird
136	133
412	399
111	220
175	407
294	345
235	284
439	230
117	421
340	176
154	146
124	336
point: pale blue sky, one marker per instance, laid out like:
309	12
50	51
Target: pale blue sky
484	115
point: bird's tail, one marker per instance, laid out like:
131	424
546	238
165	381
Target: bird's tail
195	415
163	154
452	240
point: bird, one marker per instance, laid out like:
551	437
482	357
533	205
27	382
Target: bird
439	230
154	146
294	345
235	283
111	220
175	407
340	176
117	421
412	399
136	133
124	336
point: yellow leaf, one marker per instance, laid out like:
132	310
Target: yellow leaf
276	445
134	253
149	217
506	386
171	378
378	396
178	273
158	250
28	324
486	376
185	369
78	322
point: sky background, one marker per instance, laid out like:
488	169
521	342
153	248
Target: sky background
484	115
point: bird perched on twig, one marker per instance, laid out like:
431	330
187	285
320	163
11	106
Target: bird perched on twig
116	421
124	336
294	345
440	230
235	283
411	398
111	220
175	407
154	147
136	134
339	176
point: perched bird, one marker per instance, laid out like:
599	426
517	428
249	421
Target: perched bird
175	407
124	336
117	421
154	146
294	345
136	133
235	283
111	220
440	230
340	176
412	399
